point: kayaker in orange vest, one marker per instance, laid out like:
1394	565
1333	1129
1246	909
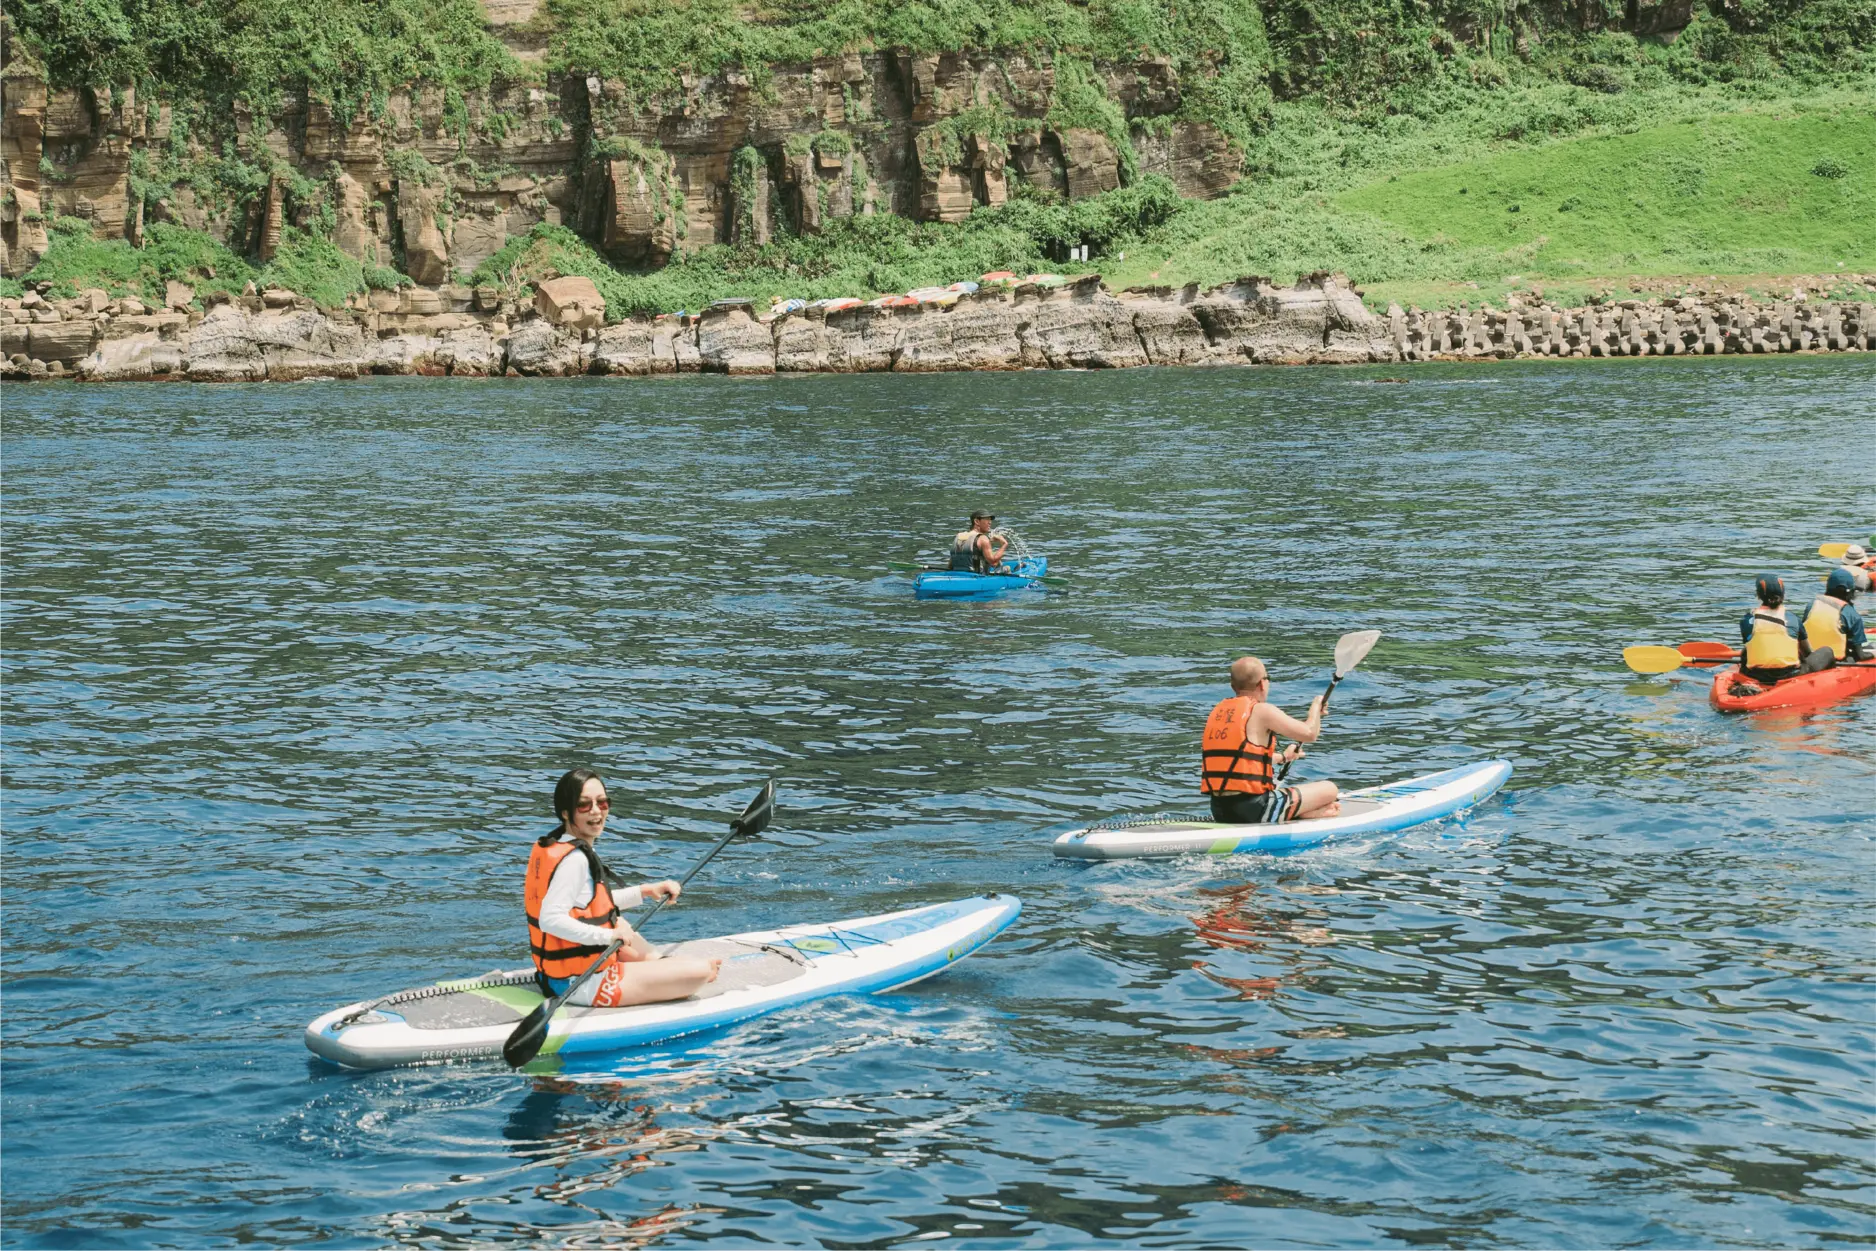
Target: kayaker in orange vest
1238	756
1775	646
976	550
573	916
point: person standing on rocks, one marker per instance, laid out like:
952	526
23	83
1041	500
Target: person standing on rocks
976	550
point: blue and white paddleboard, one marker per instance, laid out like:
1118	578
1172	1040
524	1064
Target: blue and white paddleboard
1023	572
762	972
1376	810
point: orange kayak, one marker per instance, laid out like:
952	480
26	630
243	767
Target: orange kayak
1734	693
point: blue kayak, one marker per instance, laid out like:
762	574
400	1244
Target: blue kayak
1014	575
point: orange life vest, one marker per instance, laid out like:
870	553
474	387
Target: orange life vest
556	957
1229	761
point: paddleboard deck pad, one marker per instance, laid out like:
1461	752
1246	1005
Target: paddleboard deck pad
1375	810
763	971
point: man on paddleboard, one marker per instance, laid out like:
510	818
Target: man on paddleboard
573	915
1238	756
1775	646
976	550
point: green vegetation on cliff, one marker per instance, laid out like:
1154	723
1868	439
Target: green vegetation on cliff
350	53
861	256
1743	145
1645	183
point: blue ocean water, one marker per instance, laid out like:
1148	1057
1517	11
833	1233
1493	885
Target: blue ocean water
289	672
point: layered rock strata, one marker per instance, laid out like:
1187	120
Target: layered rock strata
459	331
731	160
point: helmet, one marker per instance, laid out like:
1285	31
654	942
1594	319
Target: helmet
1841	583
1771	589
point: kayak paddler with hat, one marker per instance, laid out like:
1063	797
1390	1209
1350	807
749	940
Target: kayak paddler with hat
1861	565
573	915
1239	759
975	549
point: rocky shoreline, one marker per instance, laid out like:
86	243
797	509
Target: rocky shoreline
480	332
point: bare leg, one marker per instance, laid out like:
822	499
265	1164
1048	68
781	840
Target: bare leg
652	979
1318	799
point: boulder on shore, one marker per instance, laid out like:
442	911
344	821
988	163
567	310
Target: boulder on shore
571	301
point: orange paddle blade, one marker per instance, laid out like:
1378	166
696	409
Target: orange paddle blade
1707	651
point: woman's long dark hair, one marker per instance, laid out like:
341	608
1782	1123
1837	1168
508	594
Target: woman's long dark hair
567	793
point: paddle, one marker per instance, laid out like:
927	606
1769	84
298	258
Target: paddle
1832	551
1349	652
1667	659
525	1041
900	566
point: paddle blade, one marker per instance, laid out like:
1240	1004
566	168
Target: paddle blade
756	816
1832	551
524	1041
1351	648
1707	651
1652	659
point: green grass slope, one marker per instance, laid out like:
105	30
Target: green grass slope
1751	193
1649	183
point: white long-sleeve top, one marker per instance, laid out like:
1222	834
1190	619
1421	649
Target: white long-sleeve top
572	887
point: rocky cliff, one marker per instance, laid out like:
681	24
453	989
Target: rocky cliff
433	185
278	336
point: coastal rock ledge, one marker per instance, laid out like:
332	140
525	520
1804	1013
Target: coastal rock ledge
457	331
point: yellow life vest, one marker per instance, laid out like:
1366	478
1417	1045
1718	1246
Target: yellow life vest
1823	625
1771	645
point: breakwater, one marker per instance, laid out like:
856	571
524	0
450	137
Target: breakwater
561	331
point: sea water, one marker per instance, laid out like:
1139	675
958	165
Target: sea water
290	671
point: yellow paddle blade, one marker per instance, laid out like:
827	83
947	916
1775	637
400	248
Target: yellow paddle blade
1652	659
1832	551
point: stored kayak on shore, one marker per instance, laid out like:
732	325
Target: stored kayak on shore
763	971
1732	691
1375	810
1024	572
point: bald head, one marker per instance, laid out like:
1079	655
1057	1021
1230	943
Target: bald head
1246	672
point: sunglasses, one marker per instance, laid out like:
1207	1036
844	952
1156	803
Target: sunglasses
587	805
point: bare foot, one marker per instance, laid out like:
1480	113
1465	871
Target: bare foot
716	967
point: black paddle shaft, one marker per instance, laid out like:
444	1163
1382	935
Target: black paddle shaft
1284	772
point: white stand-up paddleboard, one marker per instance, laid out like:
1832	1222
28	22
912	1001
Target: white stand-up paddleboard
1376	810
762	972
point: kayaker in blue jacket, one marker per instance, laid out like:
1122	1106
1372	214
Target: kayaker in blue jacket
1833	625
1775	646
976	550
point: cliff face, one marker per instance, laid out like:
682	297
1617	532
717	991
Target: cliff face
434	186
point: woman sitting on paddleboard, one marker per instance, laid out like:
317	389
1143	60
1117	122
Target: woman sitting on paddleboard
1239	756
573	915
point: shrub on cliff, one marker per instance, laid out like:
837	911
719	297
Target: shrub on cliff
859	256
